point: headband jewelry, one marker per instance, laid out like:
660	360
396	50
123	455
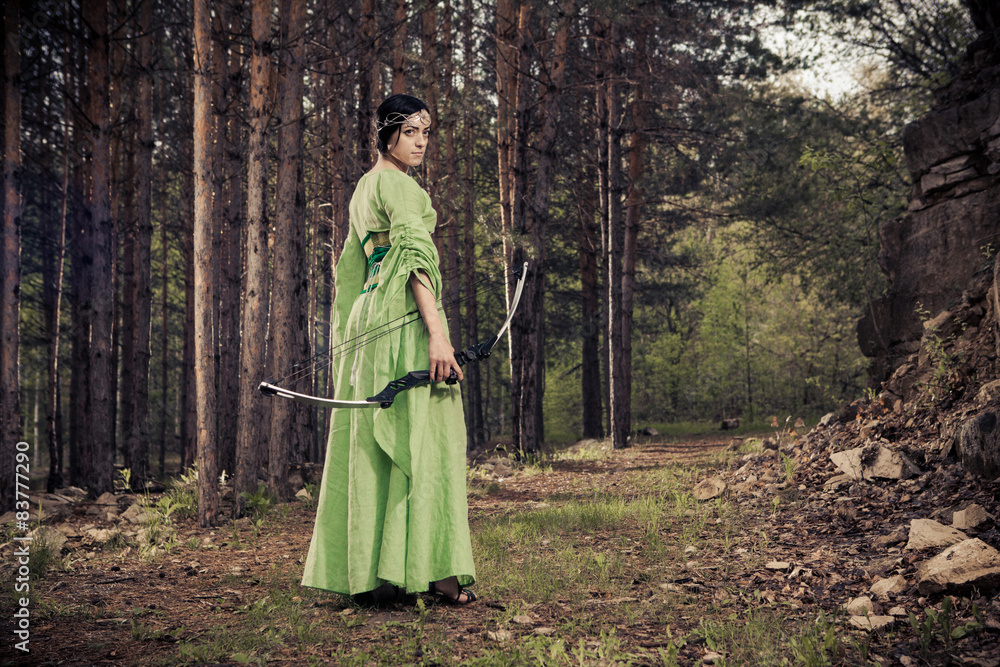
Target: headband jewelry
396	118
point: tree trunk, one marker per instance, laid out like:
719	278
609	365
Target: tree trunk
399	47
290	339
10	263
633	217
619	425
255	283
164	325
473	375
601	33
136	440
204	302
229	188
53	302
590	325
97	443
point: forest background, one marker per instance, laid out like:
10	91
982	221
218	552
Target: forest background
702	229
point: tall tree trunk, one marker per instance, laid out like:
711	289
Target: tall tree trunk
399	47
136	439
619	425
97	443
204	303
255	283
53	302
633	217
164	324
290	338
230	211
590	325
367	59
188	395
602	64
473	376
10	259
76	230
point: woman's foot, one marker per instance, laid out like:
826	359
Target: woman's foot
448	591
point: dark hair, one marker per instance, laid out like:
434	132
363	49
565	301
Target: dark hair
391	114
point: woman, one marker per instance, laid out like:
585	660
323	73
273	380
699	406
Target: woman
392	505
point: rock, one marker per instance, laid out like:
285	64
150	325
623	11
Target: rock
649	431
826	419
52	537
136	513
769	444
303	494
729	424
712	658
965	566
106	498
99	536
499	635
872	623
979	444
988	393
874	462
926	533
522	619
893	538
836	482
860	606
883	587
545	631
970	518
778	565
712	487
898	611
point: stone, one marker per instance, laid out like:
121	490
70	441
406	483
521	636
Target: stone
106	498
848	462
891	465
713	487
304	494
898	611
778	565
522	619
988	393
925	533
52	537
979	444
872	623
883	587
712	658
837	482
898	534
874	462
729	424
860	606
136	513
99	535
545	631
649	431
960	568
970	518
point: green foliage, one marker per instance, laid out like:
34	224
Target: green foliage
260	502
940	626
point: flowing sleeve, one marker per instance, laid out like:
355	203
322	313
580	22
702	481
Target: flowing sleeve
408	208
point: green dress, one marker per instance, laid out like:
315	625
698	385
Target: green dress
392	505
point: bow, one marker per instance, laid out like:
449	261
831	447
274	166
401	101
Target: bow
385	398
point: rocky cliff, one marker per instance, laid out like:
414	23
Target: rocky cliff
951	230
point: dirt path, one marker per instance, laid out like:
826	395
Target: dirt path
654	583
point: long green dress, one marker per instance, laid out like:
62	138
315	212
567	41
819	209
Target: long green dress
392	505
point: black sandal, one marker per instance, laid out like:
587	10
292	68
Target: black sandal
470	597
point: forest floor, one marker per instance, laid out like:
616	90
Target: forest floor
587	557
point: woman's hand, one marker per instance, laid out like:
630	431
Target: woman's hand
439	349
442	356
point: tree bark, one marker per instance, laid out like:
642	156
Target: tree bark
136	437
473	375
204	302
619	425
590	325
399	47
255	280
10	259
290	339
97	443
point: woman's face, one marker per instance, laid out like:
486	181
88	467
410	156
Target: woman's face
410	142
